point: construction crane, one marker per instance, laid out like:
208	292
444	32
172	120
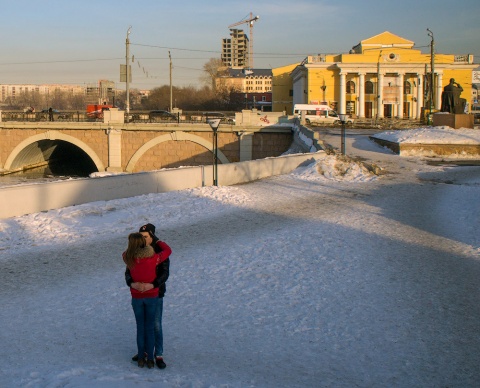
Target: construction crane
250	22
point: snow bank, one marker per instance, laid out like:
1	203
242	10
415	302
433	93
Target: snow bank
432	135
338	168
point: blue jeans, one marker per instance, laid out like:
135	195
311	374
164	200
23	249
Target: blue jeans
145	310
158	328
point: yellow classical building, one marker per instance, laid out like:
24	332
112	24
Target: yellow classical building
382	76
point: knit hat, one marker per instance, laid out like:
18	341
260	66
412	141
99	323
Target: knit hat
150	228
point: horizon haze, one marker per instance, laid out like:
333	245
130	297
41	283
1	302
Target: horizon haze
82	42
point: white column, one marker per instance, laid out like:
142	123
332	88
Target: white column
361	95
419	97
246	146
400	96
380	95
343	92
438	93
114	149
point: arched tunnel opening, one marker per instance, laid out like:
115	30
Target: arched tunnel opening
53	158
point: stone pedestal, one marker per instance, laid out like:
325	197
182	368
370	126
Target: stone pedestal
113	115
453	120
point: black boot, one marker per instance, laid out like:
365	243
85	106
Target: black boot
160	363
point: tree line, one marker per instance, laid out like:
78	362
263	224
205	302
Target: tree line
190	98
186	98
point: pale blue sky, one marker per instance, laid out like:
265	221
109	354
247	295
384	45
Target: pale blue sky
80	42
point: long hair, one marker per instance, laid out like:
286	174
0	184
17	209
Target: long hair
135	242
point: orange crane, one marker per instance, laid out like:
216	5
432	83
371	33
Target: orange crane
250	22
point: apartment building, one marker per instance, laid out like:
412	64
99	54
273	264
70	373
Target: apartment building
247	80
15	90
254	84
235	50
100	92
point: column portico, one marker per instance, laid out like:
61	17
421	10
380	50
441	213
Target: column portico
419	97
380	95
343	92
400	95
438	94
361	95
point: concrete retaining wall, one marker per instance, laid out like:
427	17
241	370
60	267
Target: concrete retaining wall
431	150
25	199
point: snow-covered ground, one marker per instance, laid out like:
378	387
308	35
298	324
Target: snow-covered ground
435	135
326	277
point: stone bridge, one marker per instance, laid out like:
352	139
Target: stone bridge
134	147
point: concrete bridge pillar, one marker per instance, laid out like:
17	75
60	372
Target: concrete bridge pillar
246	146
114	116
114	150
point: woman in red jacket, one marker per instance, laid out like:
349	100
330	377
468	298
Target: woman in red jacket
163	271
142	261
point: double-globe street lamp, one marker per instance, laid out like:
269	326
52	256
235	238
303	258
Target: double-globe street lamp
214	124
343	119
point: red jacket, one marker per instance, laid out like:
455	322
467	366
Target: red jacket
144	270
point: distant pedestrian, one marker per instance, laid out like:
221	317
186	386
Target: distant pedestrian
50	114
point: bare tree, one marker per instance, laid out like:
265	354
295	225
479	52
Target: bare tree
77	102
159	98
187	98
214	69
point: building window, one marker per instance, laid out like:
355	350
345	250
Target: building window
369	87
350	106
407	88
350	87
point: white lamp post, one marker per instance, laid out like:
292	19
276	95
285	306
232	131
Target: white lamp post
343	119
127	58
214	124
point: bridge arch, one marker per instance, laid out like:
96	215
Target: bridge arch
24	150
176	136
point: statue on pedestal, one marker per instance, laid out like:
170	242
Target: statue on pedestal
451	101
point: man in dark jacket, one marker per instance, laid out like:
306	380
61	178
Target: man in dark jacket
162	270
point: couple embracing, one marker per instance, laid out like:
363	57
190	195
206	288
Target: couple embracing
148	263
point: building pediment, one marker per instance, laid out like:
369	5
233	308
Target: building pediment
383	40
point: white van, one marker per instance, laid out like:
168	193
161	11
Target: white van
316	114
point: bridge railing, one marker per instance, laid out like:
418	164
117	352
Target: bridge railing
190	117
44	116
194	117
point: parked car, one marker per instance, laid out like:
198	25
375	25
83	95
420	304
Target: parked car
219	115
47	114
162	115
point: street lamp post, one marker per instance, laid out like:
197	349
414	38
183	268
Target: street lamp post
324	88
127	59
343	119
214	124
432	77
171	88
